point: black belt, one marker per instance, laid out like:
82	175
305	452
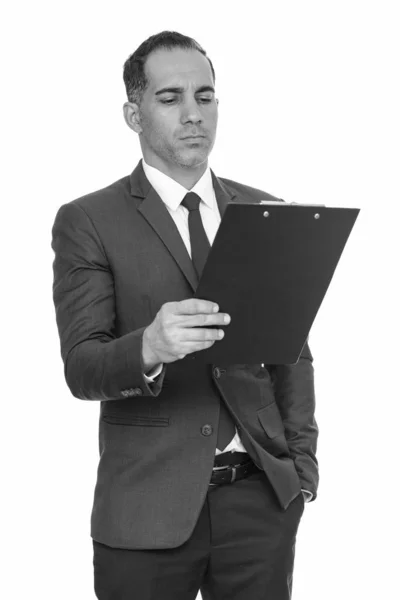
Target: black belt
238	465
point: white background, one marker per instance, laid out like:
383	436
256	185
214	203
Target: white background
309	111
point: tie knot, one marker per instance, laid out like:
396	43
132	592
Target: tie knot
191	201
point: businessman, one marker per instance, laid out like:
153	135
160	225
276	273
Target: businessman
204	469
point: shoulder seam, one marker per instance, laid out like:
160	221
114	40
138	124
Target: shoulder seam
94	229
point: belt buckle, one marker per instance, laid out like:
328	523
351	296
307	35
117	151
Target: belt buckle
233	474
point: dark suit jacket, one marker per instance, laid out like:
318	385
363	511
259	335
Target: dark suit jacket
118	258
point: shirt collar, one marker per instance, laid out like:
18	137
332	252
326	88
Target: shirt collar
172	193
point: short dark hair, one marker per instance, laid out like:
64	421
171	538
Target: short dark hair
134	76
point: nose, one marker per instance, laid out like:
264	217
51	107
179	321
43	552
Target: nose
191	111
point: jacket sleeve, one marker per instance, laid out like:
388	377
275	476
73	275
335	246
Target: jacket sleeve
294	393
97	364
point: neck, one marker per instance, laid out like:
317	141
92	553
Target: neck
186	176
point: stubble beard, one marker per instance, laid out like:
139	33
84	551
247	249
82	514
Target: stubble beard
189	159
176	154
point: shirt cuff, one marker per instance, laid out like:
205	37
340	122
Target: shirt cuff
151	375
307	495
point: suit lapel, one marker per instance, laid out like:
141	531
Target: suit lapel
222	194
156	214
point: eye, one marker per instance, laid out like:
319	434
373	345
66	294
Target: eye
168	100
205	100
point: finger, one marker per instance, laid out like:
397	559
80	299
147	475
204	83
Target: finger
204	320
202	334
193	306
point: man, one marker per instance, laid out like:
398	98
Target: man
201	467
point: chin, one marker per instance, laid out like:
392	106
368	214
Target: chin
192	159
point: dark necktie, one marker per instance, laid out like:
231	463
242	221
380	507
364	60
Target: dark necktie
200	247
198	237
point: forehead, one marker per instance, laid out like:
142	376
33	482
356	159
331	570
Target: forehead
177	67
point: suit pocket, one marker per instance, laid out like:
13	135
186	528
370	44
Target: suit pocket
137	420
271	420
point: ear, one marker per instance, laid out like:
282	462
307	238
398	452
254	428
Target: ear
132	116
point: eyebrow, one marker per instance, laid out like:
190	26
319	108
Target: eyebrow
180	90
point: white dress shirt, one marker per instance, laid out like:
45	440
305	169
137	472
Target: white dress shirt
172	193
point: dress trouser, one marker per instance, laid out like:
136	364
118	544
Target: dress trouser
242	548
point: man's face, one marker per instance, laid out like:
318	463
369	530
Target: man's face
178	112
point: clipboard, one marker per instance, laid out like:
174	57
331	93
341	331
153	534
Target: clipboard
270	267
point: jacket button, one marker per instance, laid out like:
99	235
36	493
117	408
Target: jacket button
206	430
217	372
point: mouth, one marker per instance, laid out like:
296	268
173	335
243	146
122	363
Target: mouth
193	137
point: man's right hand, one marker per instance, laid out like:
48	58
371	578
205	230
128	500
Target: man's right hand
180	328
